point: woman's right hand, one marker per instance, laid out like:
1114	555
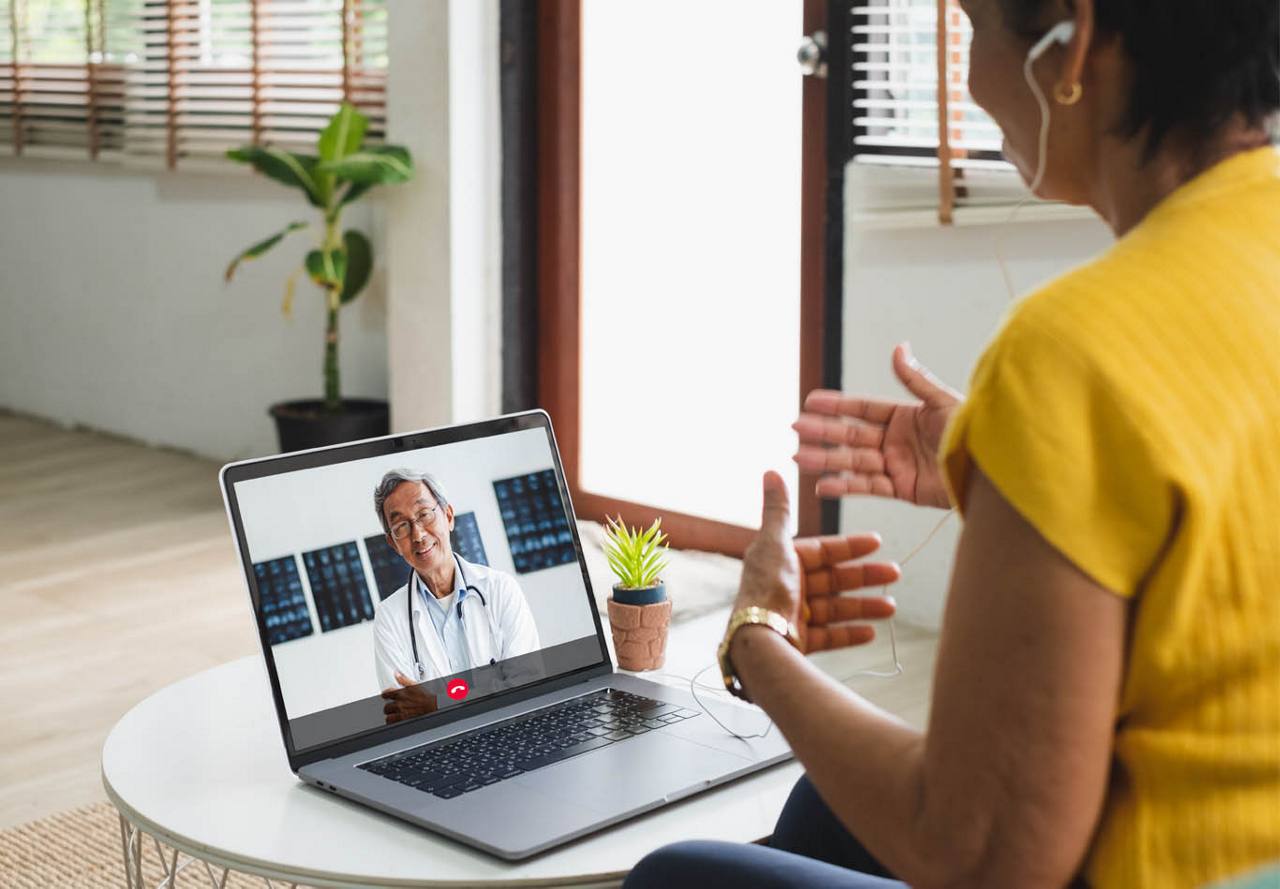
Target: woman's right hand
882	448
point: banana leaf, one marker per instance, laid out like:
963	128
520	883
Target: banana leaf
378	165
262	247
327	267
298	170
343	134
353	192
359	265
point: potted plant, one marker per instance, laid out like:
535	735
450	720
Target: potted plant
341	171
639	610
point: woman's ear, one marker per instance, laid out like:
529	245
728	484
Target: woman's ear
1071	75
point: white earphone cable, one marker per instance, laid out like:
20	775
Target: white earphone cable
1042	149
896	669
1043	142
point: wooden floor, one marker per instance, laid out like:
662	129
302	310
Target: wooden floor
118	577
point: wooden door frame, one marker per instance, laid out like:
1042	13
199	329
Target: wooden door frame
559	275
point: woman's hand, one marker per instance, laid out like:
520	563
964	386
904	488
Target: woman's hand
804	580
882	448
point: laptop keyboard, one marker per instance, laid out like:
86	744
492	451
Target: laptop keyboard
503	750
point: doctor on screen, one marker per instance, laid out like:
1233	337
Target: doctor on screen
450	615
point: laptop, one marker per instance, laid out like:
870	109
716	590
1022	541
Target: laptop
493	715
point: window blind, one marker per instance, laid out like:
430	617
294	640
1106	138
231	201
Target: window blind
61	77
901	75
910	104
172	80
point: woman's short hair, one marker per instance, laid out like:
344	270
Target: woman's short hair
394	479
1196	63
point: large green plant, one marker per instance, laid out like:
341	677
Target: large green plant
341	170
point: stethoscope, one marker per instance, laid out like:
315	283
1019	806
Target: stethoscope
413	587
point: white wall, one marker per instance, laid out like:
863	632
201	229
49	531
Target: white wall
301	511
942	289
114	314
443	228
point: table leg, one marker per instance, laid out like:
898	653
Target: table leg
172	862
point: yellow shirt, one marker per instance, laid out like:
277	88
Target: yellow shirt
1130	411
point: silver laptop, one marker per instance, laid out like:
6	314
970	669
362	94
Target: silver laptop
434	648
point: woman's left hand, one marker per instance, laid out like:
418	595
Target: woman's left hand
804	580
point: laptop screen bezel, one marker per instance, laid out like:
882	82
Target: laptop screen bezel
246	470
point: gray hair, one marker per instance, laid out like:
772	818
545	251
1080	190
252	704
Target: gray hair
394	479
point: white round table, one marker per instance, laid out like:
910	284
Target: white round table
200	767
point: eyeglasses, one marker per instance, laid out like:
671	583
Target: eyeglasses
424	519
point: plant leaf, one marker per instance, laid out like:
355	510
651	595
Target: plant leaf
647	536
636	556
618	568
262	247
343	134
379	165
290	288
353	192
359	265
327	267
298	170
658	571
649	563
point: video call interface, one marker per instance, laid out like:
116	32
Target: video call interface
334	586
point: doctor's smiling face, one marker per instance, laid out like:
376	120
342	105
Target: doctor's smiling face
419	532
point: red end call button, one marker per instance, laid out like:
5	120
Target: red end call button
457	689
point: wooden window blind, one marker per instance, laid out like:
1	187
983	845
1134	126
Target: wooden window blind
61	77
172	80
911	105
910	56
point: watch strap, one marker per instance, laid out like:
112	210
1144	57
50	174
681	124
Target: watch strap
749	616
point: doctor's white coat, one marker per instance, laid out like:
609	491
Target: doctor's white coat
512	623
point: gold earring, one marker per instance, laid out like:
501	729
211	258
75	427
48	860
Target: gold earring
1068	95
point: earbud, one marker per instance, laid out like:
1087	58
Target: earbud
1062	33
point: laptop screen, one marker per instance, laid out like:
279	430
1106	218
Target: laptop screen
401	579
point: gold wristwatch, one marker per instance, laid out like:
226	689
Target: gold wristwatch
752	614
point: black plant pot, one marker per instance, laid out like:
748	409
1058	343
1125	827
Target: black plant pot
306	424
650	595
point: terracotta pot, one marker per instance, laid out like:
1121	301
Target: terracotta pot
640	633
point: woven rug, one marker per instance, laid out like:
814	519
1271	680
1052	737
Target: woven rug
82	849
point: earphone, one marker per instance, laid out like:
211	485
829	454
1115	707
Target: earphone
1061	33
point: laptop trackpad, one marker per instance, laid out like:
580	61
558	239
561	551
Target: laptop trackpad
624	776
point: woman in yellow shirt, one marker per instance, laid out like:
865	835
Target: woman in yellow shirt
1107	699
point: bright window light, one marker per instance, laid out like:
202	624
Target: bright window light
691	127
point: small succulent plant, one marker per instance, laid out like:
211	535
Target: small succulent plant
637	557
